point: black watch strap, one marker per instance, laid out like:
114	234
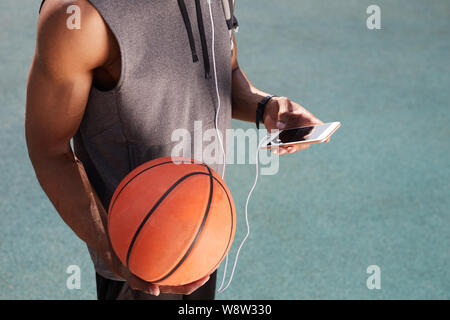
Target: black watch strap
260	110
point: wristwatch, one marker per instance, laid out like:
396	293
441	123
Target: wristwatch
260	110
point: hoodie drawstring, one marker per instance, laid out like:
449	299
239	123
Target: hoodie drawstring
187	23
201	29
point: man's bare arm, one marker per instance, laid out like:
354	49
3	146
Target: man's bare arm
59	83
280	112
245	95
58	87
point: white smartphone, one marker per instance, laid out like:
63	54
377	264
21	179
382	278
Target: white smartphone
310	134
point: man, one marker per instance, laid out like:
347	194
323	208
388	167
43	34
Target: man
119	86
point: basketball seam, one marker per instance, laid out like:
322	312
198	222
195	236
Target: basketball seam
160	201
138	174
192	245
155	206
229	238
232	220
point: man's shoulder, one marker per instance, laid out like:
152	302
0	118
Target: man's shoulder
56	11
72	29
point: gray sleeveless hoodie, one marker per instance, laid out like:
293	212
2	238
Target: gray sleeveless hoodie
166	83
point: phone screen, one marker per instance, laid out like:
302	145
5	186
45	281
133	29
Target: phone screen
310	133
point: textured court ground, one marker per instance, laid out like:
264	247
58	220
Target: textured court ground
378	194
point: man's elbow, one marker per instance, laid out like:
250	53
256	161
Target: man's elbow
43	155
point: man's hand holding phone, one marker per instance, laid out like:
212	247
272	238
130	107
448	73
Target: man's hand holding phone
281	114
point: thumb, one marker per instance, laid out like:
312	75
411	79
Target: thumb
281	124
283	112
154	289
137	283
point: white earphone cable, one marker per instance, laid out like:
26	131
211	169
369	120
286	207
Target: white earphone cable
216	118
220	290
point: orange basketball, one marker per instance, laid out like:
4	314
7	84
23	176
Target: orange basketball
171	221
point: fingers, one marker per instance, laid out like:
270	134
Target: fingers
292	115
290	149
150	288
284	111
138	284
185	289
298	147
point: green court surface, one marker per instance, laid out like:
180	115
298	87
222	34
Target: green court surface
378	194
